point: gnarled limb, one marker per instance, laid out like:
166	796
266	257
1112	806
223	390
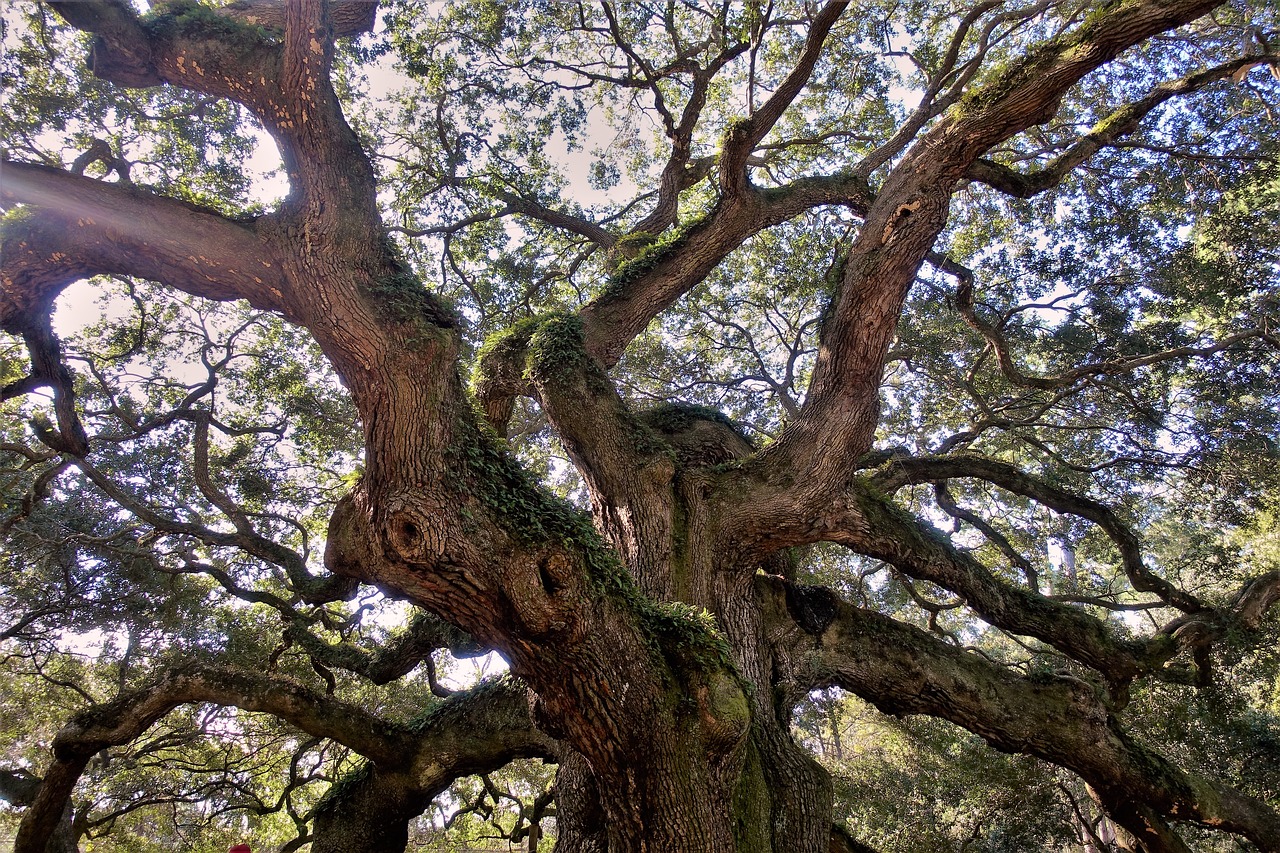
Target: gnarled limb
78	227
841	412
1067	379
132	713
903	670
903	471
475	731
1105	133
397	657
643	288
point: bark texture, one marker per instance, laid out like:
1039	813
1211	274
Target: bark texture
663	651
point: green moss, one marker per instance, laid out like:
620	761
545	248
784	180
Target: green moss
673	418
880	509
512	339
551	346
557	348
687	636
752	799
1002	78
530	514
194	20
630	246
655	251
342	788
401	297
471	702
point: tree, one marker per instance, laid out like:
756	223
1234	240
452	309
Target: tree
1018	255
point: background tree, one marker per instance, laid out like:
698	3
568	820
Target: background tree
694	358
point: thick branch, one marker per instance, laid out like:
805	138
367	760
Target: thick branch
1120	123
478	731
903	670
399	656
281	74
48	370
904	471
842	409
875	527
79	226
184	46
647	286
129	715
347	17
677	175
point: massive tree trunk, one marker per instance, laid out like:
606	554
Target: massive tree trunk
659	657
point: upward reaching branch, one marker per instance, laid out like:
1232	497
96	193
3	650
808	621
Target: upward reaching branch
910	211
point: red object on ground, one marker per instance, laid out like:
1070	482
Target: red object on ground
240	848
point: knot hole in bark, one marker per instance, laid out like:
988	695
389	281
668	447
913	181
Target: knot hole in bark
549	582
813	607
414	536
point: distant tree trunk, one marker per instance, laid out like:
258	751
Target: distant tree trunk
367	812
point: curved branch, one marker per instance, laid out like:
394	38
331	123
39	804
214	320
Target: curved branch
48	370
1124	364
903	471
904	670
477	731
678	175
309	587
1119	123
280	75
75	227
648	285
874	526
130	714
399	656
951	507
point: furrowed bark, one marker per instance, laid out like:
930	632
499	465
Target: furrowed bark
842	408
903	670
77	227
443	514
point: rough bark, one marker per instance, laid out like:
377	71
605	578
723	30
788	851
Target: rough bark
671	718
903	670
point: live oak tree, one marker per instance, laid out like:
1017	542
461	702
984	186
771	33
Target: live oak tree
843	273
